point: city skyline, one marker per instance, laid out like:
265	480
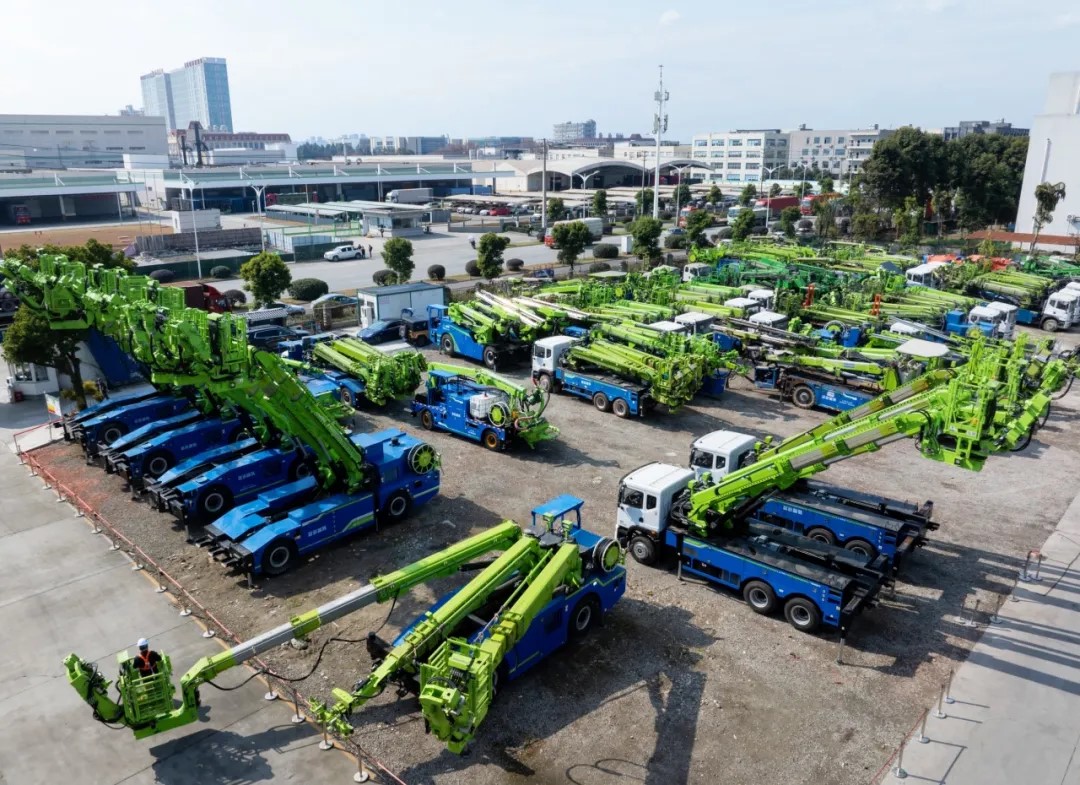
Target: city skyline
929	63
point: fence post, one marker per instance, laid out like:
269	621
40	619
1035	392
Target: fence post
922	738
297	717
899	771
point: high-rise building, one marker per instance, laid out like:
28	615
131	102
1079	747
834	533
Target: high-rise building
574	132
197	92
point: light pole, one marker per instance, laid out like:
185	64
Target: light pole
195	228
585	182
678	185
660	124
768	198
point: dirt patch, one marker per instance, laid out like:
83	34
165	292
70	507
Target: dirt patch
683	681
117	236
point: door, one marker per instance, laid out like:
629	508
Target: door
631	514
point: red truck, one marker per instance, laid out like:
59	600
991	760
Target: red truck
19	214
774	204
205	297
806	206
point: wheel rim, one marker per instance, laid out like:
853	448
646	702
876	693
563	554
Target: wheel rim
600	402
158	466
426	421
583	618
279	557
619	407
859	550
111	435
804	397
213	502
820	537
398	505
302	470
800	615
491	440
641	551
758	597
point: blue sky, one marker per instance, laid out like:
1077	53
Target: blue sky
471	68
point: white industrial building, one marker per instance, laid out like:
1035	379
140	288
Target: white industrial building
55	141
860	144
829	150
1054	157
742	156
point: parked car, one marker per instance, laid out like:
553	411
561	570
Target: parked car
269	336
485	212
292	310
499	211
381	331
334	300
414	330
341	253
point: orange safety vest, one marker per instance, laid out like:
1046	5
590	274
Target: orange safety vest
142	662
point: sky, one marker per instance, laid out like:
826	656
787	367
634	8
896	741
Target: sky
467	68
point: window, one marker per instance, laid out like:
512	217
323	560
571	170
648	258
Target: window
137	148
717	142
770	143
734	166
650	502
735	143
753	143
114	148
817	140
839	140
701	155
753	154
700	142
112	133
28	372
40	133
753	166
88	133
828	140
700	459
781	142
752	178
717	154
806	151
64	133
135	133
735	154
734	178
631	498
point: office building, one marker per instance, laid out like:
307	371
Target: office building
198	92
742	156
415	145
969	127
573	132
828	150
75	141
860	144
1054	157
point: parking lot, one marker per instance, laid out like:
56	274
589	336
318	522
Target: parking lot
683	682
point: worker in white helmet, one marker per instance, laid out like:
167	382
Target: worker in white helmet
147	660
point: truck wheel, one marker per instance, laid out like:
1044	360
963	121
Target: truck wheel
802	614
760	597
601	402
861	547
821	534
427	420
491	357
347	397
1050	324
544	382
279	556
214	501
396	507
158	463
299	470
447	345
584	616
112	433
643	549
491	440
803	397
619	407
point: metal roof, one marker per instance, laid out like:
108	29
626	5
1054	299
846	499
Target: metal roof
401	288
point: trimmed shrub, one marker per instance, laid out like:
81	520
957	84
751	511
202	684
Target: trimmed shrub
436	272
605	251
599	267
666	215
221	272
163	276
235	296
472	268
675	241
513	265
384	277
308	289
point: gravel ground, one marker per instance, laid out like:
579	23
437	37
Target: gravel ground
683	683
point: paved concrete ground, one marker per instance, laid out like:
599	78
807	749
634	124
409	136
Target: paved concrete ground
1016	716
62	590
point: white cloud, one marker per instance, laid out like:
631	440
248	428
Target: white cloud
670	17
1067	19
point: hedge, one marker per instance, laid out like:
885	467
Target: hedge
308	289
235	296
675	241
513	265
436	272
599	267
221	272
605	251
384	277
472	268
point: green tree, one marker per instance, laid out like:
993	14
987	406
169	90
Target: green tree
682	194
748	194
803	188
715	196
696	224
599	203
397	256
825	210
907	221
910	162
942	207
775	190
646	233
741	226
789	216
644	200
865	226
266	277
489	253
826	184
571	240
556	209
1047	196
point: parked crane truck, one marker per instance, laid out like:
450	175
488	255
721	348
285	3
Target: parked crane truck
466	331
551	583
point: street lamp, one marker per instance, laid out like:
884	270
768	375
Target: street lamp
585	181
678	173
195	228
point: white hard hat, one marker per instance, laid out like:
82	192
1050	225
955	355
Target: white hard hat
143	643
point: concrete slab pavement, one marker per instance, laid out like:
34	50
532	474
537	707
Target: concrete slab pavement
1016	715
62	590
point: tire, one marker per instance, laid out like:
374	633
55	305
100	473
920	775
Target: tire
490	439
279	556
347	397
214	502
803	397
760	597
491	357
157	464
447	345
397	507
802	614
427	420
861	547
111	433
601	402
821	534
620	408
642	549
1050	324
544	382
299	470
584	616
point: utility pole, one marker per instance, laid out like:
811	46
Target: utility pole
659	127
543	187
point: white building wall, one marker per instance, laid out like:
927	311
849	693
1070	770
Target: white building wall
742	156
1054	157
57	141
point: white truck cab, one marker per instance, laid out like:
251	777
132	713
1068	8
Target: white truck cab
667	327
987	319
645	497
766	298
696	270
1008	318
697	323
721	452
1061	310
778	321
924	275
745	304
547	352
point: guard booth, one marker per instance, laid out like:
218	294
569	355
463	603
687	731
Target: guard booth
389	302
